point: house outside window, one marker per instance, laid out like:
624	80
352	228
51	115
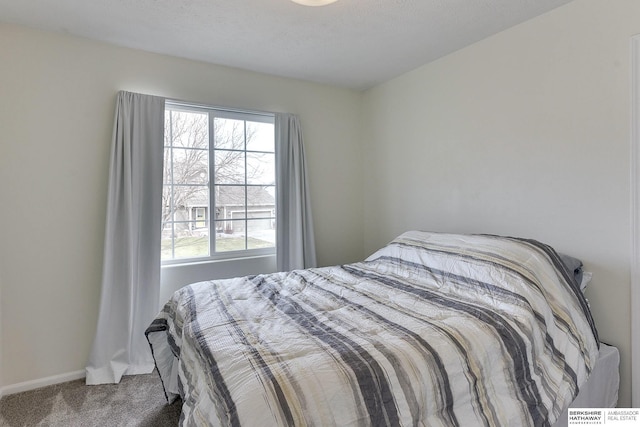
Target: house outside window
218	185
200	217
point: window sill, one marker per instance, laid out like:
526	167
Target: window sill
206	261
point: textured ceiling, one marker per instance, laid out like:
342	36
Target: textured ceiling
350	43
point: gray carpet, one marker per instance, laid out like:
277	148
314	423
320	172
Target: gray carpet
137	401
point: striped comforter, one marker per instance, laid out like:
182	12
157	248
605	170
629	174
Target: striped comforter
431	330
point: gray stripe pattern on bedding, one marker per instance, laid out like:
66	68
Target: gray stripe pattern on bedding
433	329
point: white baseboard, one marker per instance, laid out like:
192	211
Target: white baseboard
42	382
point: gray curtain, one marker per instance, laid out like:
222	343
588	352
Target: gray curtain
131	270
294	235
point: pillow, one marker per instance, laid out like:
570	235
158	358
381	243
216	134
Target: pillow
574	265
586	278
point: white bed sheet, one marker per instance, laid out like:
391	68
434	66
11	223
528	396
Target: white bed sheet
601	389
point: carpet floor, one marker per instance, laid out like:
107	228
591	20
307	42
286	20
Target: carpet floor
137	401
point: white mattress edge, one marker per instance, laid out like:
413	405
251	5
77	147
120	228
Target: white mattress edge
601	389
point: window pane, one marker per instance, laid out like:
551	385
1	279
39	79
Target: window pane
261	168
229	134
229	167
185	222
230	236
261	197
260	136
190	166
187	129
186	197
191	246
230	202
166	246
167	164
167	205
182	240
261	233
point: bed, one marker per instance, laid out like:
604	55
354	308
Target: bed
433	329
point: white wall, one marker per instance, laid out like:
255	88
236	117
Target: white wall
526	133
56	116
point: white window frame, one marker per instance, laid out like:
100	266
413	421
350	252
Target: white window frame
227	113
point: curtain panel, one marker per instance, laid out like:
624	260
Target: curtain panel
131	271
295	242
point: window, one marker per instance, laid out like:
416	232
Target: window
219	183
